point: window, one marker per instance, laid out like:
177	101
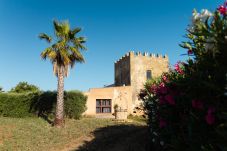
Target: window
149	74
103	106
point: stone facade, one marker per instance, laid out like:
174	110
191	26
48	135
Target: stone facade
121	96
130	75
132	69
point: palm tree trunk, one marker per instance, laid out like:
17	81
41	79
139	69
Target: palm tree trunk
59	118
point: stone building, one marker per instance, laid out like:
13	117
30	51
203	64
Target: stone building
131	72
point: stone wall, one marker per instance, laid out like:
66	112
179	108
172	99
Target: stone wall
139	64
119	95
122	71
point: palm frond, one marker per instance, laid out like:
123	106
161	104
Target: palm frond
45	37
52	55
59	45
61	29
65	27
82	47
81	39
46	52
78	42
65	60
76	30
73	32
57	28
49	53
76	56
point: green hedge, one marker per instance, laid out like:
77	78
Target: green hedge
41	104
16	105
75	104
45	104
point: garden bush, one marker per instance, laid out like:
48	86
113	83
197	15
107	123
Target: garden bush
75	104
44	105
187	107
41	104
16	105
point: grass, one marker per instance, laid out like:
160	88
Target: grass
137	118
35	134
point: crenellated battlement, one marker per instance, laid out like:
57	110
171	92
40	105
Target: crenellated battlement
145	54
126	56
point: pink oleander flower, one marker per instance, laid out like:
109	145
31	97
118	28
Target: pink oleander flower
153	88
162	84
197	104
169	98
162	123
210	119
178	68
164	78
190	52
161	88
222	9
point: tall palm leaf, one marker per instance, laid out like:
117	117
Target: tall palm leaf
64	52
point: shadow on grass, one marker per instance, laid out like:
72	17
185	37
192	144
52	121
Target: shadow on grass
118	138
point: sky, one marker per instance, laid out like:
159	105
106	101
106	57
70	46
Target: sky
112	28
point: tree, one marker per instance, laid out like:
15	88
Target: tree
64	52
22	87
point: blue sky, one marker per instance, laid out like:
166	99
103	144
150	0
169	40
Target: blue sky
112	28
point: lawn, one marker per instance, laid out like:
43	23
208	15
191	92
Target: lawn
35	134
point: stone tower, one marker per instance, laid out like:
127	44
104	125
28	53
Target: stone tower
134	69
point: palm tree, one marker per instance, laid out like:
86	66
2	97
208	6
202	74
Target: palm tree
64	52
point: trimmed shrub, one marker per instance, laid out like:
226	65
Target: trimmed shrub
41	104
16	105
45	104
75	104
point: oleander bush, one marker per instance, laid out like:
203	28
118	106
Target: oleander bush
187	107
41	104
